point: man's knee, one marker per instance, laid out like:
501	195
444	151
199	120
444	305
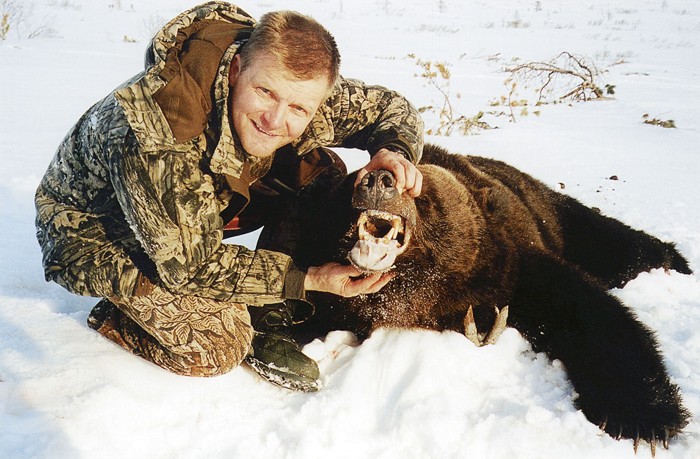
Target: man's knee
221	355
187	335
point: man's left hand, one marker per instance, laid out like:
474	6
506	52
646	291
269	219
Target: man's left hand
408	177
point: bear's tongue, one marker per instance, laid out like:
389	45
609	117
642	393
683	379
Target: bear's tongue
374	255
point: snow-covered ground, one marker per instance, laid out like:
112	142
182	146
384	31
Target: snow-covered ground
65	392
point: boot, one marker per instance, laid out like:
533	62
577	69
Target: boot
104	311
275	355
105	319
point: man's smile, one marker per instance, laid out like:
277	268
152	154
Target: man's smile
262	131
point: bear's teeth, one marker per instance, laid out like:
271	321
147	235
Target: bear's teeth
395	223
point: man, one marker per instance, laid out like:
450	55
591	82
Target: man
133	206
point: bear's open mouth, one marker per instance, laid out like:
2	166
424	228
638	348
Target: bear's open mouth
382	236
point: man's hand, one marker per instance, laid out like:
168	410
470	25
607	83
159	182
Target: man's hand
344	280
408	177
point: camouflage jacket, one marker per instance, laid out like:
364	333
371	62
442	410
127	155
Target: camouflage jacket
138	185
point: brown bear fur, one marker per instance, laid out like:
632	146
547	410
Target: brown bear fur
485	235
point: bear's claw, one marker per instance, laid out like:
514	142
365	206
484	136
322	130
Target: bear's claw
637	439
490	337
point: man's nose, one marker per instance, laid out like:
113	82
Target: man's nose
273	117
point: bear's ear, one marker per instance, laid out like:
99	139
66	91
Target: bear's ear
482	197
491	199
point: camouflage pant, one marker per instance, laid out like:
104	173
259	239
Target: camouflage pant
187	335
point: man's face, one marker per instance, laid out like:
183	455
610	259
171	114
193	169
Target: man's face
269	108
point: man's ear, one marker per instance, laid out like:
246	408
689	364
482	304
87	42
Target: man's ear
235	69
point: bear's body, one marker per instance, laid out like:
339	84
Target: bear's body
485	235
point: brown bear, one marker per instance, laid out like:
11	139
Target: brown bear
486	244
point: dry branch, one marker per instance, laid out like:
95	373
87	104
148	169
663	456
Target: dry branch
572	77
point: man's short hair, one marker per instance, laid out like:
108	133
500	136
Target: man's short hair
300	43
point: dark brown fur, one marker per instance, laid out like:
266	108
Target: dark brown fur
487	235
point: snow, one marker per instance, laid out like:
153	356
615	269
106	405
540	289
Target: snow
66	392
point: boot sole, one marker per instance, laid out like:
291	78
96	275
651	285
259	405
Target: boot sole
283	379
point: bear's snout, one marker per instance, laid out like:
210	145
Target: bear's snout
375	189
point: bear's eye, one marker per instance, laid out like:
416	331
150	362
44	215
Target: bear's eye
422	202
421	199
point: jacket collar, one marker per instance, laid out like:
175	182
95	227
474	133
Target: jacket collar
228	157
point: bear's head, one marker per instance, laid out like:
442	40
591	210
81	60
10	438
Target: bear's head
385	224
439	228
431	243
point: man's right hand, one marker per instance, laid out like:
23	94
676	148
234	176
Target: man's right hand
344	280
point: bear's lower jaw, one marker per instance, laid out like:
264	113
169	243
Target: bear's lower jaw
373	256
382	237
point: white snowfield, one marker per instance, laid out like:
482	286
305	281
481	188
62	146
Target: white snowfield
66	392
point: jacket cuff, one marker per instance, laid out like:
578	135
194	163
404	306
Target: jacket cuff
294	284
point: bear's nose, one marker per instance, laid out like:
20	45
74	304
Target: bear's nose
375	188
380	179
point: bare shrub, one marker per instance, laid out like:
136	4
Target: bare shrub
437	75
566	77
16	16
4	26
668	124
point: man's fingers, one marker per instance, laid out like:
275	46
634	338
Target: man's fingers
413	178
361	173
399	172
371	283
407	176
380	283
359	285
417	187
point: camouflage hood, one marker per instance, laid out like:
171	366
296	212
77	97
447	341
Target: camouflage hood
179	81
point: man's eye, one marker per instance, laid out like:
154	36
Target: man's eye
299	110
264	90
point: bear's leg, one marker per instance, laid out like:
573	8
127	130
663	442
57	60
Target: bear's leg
610	250
611	358
331	313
